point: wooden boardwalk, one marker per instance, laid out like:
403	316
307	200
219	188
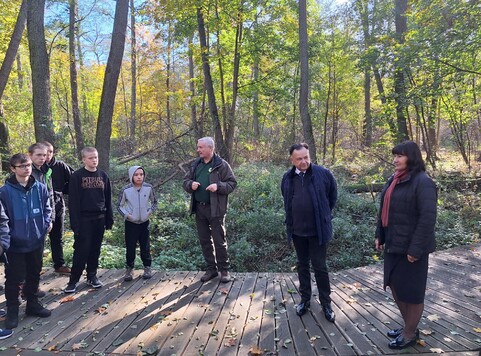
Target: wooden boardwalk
175	314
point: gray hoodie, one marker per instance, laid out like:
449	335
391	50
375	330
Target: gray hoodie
136	205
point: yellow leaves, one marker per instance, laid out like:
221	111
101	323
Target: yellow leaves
375	258
433	317
102	310
52	348
79	345
426	332
478	330
436	350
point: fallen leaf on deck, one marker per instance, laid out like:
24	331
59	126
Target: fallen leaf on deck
421	343
291	291
118	342
52	348
437	350
478	330
224	291
66	299
433	317
426	331
230	342
255	351
252	295
80	345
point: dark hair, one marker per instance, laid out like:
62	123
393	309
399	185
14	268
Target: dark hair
411	150
18	158
298	146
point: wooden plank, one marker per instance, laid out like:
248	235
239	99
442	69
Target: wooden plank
205	338
239	319
267	332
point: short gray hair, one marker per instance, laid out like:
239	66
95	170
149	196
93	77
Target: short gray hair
208	140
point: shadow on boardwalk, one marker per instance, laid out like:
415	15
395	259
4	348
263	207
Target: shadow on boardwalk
175	314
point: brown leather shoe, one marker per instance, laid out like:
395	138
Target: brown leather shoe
63	270
208	276
224	277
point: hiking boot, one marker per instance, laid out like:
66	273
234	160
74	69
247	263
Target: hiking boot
71	287
208	276
147	273
128	275
224	277
4	333
63	270
11	322
35	308
94	282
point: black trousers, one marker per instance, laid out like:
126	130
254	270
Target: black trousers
137	233
87	244
212	239
56	235
309	250
22	267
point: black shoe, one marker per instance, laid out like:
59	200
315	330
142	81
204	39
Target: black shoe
328	313
11	322
94	282
71	287
208	276
302	307
35	308
401	343
394	333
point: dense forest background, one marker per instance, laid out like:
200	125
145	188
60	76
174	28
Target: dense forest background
142	80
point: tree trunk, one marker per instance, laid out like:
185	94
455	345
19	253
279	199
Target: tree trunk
209	86
193	106
4	142
112	71
255	101
399	74
133	70
20	75
168	117
304	88
77	123
39	63
13	47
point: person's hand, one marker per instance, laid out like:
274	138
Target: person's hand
195	185
212	188
379	246
412	259
50	226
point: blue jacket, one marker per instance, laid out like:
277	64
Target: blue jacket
29	212
323	192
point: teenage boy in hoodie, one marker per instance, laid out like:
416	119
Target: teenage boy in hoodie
26	203
136	203
60	178
90	208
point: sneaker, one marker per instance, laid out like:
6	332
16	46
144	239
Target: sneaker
35	308
94	282
224	277
63	270
3	312
4	333
147	273
71	288
128	275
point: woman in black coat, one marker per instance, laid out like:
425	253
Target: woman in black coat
405	231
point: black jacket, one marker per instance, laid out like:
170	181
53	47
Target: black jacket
412	217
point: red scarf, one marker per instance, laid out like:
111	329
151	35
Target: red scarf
398	176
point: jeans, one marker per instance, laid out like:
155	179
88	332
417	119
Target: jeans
309	250
212	239
22	267
134	233
87	248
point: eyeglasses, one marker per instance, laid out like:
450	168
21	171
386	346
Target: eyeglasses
24	166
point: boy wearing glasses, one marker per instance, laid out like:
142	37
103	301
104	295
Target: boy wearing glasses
26	203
